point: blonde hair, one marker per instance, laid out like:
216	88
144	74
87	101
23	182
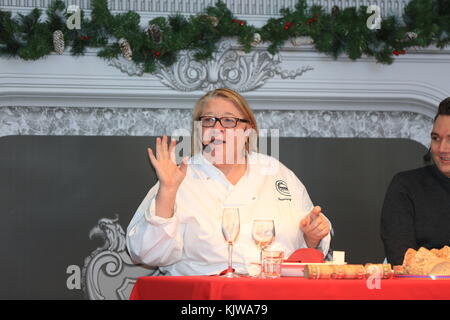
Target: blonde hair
230	95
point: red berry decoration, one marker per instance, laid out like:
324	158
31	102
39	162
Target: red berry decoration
241	22
83	38
395	52
287	25
310	21
403	51
156	54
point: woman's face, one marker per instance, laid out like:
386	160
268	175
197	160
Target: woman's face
224	145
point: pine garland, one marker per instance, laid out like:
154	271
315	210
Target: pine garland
341	32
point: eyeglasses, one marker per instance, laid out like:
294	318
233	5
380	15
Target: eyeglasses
226	122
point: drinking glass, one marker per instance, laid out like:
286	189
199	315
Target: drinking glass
230	231
272	263
263	232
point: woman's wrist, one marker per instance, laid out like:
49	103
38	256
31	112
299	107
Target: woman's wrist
165	202
168	190
311	243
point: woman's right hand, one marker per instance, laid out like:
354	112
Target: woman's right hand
169	174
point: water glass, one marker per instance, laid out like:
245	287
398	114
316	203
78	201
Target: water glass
272	261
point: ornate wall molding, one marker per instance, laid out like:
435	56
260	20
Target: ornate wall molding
153	122
414	83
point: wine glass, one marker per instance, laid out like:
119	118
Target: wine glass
263	232
230	231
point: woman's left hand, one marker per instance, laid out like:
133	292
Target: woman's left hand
315	227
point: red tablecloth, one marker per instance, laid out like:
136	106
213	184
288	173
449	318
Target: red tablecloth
285	288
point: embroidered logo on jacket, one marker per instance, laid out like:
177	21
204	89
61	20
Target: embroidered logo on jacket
282	188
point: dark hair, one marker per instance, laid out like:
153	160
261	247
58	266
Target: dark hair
443	109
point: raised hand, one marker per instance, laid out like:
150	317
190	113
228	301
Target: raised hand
315	227
169	174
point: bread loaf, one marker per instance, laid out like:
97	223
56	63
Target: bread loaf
427	262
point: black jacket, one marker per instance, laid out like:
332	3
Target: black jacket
416	212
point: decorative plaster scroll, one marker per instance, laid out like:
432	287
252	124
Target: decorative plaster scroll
153	122
228	67
108	272
126	66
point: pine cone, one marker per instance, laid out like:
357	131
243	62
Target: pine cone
154	31
125	48
256	39
409	36
58	42
335	11
214	20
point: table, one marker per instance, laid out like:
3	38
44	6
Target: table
285	288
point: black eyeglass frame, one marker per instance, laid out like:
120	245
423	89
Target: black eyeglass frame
220	120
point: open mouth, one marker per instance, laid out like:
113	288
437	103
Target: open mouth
209	146
214	140
445	159
217	141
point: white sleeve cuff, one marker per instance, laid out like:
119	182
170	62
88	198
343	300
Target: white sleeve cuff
324	244
169	225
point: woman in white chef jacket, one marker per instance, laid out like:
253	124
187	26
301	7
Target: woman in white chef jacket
177	227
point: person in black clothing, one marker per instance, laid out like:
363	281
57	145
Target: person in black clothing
416	209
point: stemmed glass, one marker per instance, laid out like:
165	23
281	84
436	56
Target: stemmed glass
230	230
263	232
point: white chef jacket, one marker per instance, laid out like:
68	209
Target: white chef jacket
191	241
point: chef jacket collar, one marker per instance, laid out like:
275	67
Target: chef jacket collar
213	172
